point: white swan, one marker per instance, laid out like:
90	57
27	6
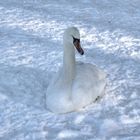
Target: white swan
76	84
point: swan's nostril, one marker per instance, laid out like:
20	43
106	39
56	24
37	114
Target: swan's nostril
81	51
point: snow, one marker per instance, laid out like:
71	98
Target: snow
31	52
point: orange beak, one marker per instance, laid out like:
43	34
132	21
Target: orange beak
78	46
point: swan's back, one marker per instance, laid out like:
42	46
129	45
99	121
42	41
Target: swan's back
87	71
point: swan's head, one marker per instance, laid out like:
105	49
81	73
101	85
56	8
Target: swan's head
72	36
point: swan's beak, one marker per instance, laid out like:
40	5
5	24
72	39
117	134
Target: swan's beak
78	46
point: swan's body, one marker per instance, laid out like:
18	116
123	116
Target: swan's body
76	84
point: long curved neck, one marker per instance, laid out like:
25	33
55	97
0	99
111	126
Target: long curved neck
68	62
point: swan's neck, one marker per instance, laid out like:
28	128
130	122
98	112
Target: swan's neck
68	62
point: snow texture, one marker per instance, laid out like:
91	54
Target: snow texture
31	52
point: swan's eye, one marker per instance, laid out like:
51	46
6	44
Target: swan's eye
76	40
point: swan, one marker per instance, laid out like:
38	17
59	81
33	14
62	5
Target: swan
76	84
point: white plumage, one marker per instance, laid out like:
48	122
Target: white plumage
76	85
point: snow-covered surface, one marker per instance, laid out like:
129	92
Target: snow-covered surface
31	52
